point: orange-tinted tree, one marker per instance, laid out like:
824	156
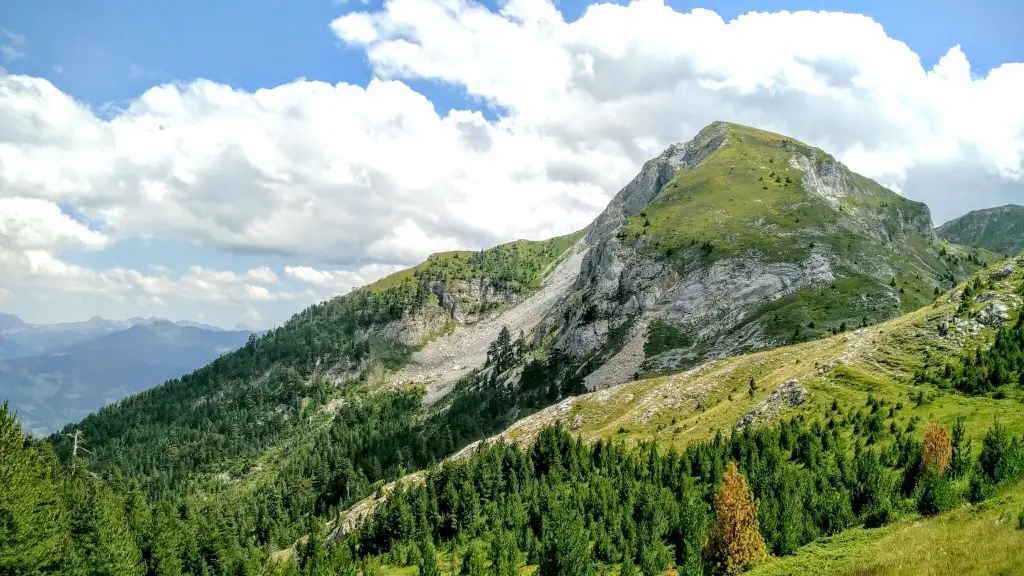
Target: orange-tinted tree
936	450
735	543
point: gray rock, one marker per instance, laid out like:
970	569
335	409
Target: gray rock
1003	272
788	395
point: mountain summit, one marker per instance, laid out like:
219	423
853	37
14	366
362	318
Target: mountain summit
739	240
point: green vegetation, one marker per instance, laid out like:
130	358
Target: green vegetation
561	499
516	266
662	337
977	540
998	229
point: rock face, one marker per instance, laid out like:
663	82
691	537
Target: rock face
998	229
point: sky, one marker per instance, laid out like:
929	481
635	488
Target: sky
232	162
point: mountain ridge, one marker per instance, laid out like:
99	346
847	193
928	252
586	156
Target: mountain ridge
1000	229
99	364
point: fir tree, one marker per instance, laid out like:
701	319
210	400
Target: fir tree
504	555
474	563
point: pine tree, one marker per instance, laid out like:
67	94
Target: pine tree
960	450
33	525
628	567
428	559
504	555
693	529
566	544
736	543
474	563
113	550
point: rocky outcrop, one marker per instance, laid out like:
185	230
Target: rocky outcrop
653	177
790	394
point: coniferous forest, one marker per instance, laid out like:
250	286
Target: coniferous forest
566	506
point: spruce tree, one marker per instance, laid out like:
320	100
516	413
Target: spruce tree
504	555
693	529
428	559
566	544
34	536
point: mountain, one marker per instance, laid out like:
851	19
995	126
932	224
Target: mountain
733	244
51	389
18	338
997	229
868	395
736	241
10	322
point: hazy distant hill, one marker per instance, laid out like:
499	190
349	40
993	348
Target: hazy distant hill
86	365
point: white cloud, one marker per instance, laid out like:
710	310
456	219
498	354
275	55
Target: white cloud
32	224
263	275
340	280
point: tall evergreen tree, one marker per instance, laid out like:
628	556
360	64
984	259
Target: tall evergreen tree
566	544
504	555
428	559
474	563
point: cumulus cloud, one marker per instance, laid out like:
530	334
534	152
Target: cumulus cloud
32	224
340	280
343	174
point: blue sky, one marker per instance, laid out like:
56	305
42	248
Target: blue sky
106	53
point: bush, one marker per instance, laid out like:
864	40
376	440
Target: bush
936	494
977	488
879	516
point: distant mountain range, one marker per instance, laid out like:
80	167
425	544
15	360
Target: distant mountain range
53	374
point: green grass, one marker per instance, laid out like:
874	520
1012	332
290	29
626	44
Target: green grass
662	337
971	540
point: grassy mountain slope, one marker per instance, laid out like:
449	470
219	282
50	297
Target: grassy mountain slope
974	540
998	229
743	240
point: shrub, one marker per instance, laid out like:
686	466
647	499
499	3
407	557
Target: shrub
936	494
